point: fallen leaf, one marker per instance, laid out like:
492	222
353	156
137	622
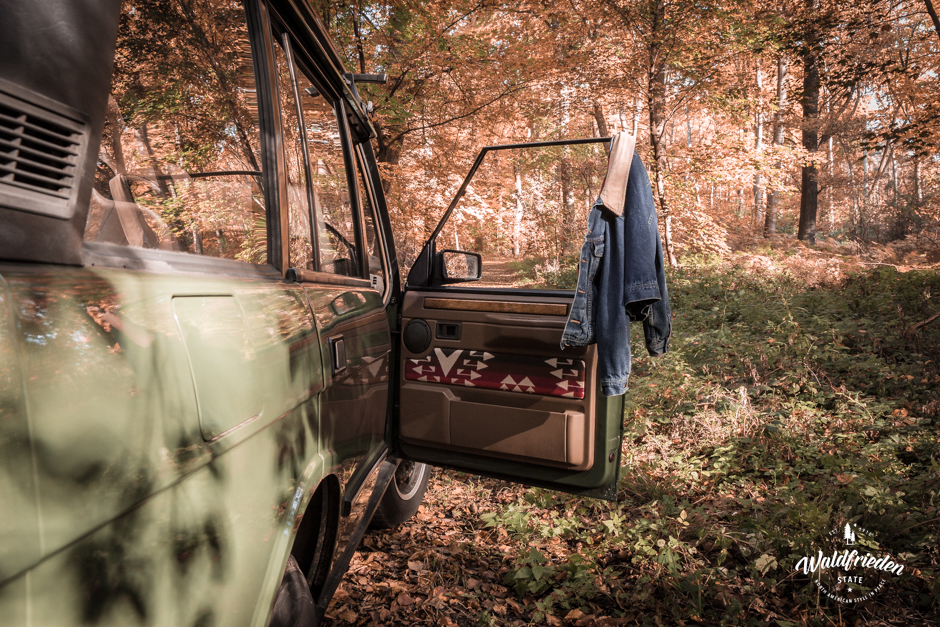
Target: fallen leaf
416	566
574	615
403	599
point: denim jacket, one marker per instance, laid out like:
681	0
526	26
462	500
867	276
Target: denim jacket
621	279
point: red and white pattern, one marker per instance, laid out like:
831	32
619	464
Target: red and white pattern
500	371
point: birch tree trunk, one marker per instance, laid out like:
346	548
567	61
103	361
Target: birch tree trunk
637	110
758	148
517	215
657	106
770	219
829	209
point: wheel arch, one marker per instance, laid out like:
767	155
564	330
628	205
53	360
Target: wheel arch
316	498
315	536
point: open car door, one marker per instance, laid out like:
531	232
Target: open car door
484	386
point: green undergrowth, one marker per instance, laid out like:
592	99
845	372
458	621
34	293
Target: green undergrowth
780	414
546	273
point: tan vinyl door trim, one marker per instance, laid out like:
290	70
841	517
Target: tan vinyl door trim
546	309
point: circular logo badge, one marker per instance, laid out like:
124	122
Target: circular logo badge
850	566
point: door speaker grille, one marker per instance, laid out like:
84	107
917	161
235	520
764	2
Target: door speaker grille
40	155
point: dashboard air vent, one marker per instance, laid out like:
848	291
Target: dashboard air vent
40	155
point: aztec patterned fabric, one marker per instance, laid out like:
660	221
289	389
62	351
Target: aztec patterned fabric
500	371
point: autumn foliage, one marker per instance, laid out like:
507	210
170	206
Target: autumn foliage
754	118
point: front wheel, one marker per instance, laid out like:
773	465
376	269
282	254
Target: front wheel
403	496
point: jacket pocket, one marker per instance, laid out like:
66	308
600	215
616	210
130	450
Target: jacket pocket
595	262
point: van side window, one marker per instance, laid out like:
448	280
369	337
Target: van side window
300	225
373	241
179	166
335	220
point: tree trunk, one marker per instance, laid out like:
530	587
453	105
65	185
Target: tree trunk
933	16
517	214
657	107
154	162
758	148
770	219
601	120
637	110
865	174
117	149
894	180
809	194
389	148
389	151
830	212
568	207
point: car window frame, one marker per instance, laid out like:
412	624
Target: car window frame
303	61
368	187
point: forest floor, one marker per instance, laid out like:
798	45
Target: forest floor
800	394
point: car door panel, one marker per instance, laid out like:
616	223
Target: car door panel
503	398
499	390
355	344
356	395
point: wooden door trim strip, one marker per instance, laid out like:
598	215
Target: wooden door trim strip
545	309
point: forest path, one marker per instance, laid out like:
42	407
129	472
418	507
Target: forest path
497	272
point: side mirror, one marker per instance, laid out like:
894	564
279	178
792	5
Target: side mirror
458	266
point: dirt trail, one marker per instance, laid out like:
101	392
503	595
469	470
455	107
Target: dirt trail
496	273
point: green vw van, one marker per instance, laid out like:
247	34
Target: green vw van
211	378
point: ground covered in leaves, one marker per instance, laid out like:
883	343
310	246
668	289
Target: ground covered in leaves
786	408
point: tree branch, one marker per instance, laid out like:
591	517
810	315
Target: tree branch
923	323
933	16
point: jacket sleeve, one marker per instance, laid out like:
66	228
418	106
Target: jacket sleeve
641	289
657	324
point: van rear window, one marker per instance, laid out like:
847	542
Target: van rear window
179	165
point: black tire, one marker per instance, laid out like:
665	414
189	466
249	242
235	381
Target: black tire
294	606
403	496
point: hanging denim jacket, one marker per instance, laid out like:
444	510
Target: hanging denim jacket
621	279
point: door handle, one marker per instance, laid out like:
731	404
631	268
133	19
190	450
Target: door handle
338	353
448	331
